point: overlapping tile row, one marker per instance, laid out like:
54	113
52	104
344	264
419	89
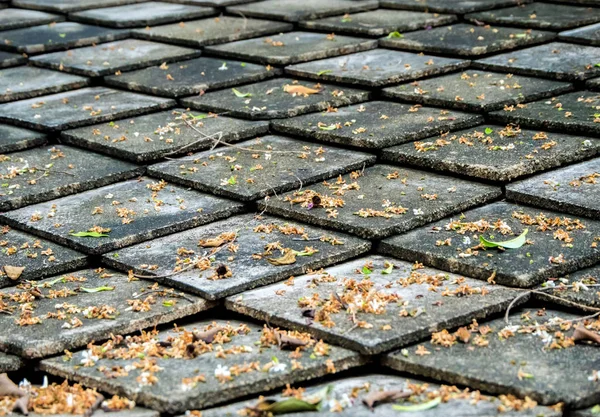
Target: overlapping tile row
206	201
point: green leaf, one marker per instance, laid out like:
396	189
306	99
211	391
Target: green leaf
396	34
291	405
330	127
595	409
243	64
97	289
419	407
323	72
597	65
89	234
168	303
199	116
366	270
509	244
520	35
346	19
62	35
231	180
488	130
239	94
389	269
50	283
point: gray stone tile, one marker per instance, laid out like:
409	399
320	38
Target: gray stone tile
523	357
40	257
575	112
134	412
134	15
573	189
272	164
589	35
593	84
292	47
85	306
572	288
128	212
246	257
293	11
407	309
453	244
377	67
467	40
19	83
10	363
376	124
151	137
76	108
479	91
539	16
114	57
48	172
65	6
384	200
173	392
211	31
185	78
15	138
212	3
503	154
17	18
270	100
558	60
10	60
378	22
55	37
588	2
457	6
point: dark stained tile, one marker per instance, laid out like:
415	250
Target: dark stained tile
13	18
443	6
65	6
16	138
20	83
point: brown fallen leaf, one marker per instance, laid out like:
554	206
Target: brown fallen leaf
9	388
13	272
207	336
463	334
380	397
300	90
581	333
21	405
286	342
288	258
95	406
211	243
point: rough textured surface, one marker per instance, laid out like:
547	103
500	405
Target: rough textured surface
467	40
292	47
81	107
577	287
158	258
18	18
551	375
547	255
478	91
135	412
501	154
383	201
418	312
589	35
279	164
153	136
378	22
558	60
211	31
376	124
214	3
15	138
376	68
25	82
10	363
171	396
195	76
442	6
69	5
128	212
270	100
10	60
113	57
574	189
101	313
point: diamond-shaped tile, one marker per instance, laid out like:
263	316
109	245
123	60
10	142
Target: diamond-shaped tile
18	18
10	60
589	35
65	6
15	138
443	6
19	83
572	290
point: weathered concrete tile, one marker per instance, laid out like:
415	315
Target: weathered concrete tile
589	35
114	57
73	310
575	112
48	172
19	83
457	6
55	37
293	47
212	3
346	397
479	91
65	6
467	40
185	78
272	164
211	31
539	16
556	244
377	67
378	22
15	138
574	189
10	60
577	287
501	154
532	355
246	360
134	15
558	60
380	201
151	137
40	257
76	108
390	310
246	256
17	18
293	11
376	124
10	363
127	213
277	98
